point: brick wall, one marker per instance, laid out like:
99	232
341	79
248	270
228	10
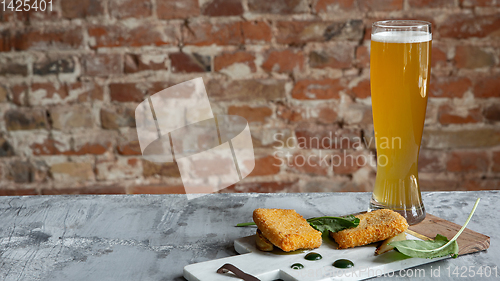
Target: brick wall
71	79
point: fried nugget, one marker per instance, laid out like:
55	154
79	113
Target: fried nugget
286	229
373	226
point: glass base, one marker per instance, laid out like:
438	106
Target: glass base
412	216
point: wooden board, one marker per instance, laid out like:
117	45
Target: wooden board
468	242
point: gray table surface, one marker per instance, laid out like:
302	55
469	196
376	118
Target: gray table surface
152	237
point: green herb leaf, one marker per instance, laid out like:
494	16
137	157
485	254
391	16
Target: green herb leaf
333	224
426	249
245	224
440	247
323	224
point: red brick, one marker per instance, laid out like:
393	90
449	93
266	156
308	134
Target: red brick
168	9
262	187
93	143
305	164
431	3
158	189
301	32
86	91
438	56
49	38
317	114
496	161
487	87
186	63
309	89
431	161
119	35
18	191
206	33
93	189
327	115
218	8
466	26
464	161
155	87
6	43
151	169
278	6
20	95
49	146
72	172
256	32
314	136
126	92
26	119
3	94
348	163
381	5
129	148
461	138
473	57
478	3
102	64
362	57
265	166
447	115
228	59
449	87
325	6
48	93
115	117
284	61
339	56
481	184
69	117
433	184
130	8
246	90
362	89
136	63
81	9
492	113
251	114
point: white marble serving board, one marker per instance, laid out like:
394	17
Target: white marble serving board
268	266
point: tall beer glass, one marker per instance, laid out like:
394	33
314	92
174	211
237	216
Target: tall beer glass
399	71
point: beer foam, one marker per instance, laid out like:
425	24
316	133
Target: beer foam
402	37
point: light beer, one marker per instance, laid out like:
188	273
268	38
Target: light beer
400	72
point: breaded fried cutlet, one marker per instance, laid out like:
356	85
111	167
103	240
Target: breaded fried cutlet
373	226
286	229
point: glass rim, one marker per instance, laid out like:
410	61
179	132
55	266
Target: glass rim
401	23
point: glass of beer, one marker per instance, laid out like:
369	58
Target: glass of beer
400	64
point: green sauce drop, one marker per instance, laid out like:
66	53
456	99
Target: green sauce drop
313	257
297	266
343	263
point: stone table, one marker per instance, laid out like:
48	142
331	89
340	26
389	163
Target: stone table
152	237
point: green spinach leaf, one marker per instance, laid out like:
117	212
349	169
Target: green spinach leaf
333	224
440	247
